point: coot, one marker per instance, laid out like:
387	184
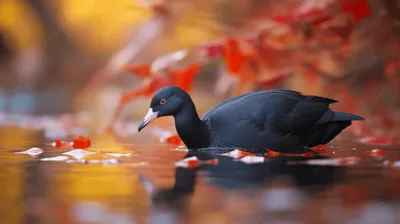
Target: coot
281	120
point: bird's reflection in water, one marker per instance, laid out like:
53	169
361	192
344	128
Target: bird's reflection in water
35	193
233	175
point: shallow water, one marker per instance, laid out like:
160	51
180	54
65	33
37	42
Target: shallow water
147	187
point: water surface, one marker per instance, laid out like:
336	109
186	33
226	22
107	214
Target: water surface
147	187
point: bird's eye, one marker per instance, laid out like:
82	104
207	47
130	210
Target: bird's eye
163	101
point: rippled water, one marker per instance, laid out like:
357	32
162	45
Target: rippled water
147	187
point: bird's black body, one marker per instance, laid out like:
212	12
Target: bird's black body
280	120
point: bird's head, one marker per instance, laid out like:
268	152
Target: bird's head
168	101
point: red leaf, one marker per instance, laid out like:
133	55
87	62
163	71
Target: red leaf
174	140
377	141
357	8
375	152
234	58
142	71
184	78
273	80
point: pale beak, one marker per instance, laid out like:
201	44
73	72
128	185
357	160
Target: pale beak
150	116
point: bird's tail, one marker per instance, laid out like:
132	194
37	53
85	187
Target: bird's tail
341	116
328	127
324	133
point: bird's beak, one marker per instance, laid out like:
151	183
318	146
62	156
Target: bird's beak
150	116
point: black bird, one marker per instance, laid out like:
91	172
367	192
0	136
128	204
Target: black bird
280	120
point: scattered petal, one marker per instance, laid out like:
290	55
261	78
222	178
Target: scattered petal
307	154
211	162
193	162
174	140
386	163
392	164
237	153
375	152
57	144
119	154
78	153
252	159
57	158
273	153
372	140
32	151
162	134
81	142
319	148
94	161
109	161
190	162
329	162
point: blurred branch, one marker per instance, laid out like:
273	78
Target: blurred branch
392	8
5	48
51	27
59	48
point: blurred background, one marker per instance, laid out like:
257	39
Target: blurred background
89	60
65	56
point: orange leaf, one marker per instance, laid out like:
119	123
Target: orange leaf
273	80
273	153
174	140
142	71
184	78
357	8
234	58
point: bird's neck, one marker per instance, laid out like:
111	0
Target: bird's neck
191	128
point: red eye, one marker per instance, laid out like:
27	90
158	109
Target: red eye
163	101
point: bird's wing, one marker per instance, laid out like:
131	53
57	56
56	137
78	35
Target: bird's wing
209	113
265	116
288	93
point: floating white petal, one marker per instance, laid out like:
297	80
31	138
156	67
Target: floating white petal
32	152
396	164
252	159
237	153
162	134
78	153
329	162
109	161
57	158
94	161
119	154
